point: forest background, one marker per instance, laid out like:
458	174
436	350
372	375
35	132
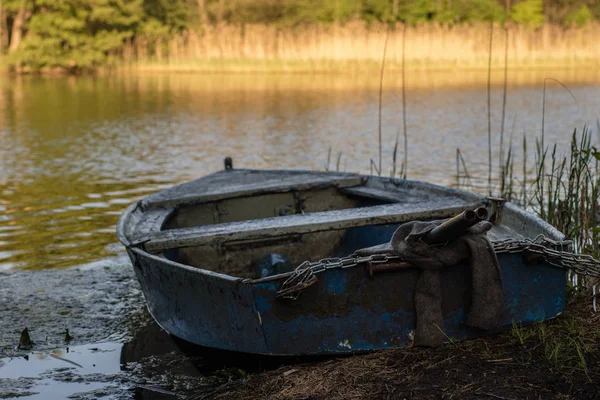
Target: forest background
247	35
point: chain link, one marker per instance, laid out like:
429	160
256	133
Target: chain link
551	251
305	273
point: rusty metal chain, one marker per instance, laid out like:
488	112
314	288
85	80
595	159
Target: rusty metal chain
305	273
553	252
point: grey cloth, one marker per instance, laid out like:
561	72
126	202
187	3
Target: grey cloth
486	303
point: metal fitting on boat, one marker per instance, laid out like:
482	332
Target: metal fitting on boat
481	213
228	163
453	227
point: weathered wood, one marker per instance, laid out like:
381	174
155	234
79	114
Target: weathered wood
259	206
405	191
239	183
372	193
239	258
304	223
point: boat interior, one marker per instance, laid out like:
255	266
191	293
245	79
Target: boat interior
253	224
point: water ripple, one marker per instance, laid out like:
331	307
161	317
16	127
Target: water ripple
76	152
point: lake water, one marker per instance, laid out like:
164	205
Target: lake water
74	151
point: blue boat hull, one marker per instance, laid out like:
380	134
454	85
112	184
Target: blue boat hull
345	311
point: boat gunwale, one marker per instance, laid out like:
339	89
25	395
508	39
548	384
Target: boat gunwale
141	204
142	253
123	222
542	224
338	179
126	219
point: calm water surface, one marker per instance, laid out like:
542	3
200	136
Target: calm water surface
75	151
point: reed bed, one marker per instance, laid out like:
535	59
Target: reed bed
358	46
561	187
565	190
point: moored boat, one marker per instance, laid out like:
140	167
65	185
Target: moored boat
216	261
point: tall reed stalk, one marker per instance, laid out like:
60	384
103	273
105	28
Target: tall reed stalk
489	109
379	109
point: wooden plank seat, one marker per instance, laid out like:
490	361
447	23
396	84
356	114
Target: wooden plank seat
156	242
376	193
243	183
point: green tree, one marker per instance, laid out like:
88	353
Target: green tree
334	10
529	13
380	11
481	10
441	11
174	15
579	17
77	34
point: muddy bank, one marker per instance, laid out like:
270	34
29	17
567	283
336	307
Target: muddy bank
101	301
100	304
115	351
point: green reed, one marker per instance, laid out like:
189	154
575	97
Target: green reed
564	190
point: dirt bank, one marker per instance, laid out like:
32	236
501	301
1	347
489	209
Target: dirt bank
559	359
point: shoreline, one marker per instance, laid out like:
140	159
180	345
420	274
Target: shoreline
250	80
345	67
303	67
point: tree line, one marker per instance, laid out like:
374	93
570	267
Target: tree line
83	34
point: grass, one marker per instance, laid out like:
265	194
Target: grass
3	65
563	189
563	344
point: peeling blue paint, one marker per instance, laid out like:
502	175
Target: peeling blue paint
343	305
336	282
328	324
263	304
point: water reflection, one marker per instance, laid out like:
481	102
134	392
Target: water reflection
75	151
151	365
62	372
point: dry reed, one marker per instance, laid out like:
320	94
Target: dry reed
324	48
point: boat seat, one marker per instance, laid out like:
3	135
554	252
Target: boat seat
260	229
383	194
242	183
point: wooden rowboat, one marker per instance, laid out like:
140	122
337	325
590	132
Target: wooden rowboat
195	249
